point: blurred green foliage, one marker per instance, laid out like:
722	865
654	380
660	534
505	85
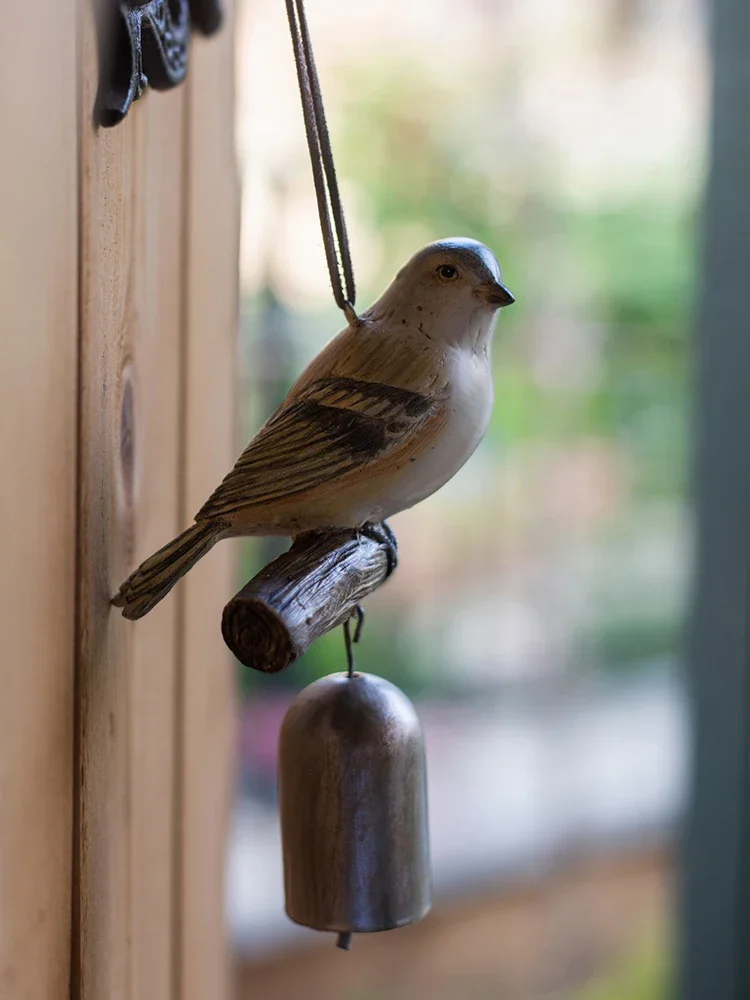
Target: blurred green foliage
629	641
646	974
625	270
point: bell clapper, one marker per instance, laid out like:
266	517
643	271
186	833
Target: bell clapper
344	941
358	612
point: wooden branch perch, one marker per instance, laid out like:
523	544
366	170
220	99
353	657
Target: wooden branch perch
304	593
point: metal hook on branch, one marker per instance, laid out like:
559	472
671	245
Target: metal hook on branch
357	612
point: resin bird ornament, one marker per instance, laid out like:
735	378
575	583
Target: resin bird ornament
383	417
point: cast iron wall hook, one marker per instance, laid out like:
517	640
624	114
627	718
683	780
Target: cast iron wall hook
145	44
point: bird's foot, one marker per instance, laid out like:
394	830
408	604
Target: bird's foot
383	535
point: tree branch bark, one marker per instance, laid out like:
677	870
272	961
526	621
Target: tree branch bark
305	593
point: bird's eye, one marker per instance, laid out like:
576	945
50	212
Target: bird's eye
447	272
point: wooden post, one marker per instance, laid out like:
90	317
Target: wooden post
132	238
207	688
158	301
38	305
118	292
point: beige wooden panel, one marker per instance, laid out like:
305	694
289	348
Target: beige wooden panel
208	695
38	318
131	370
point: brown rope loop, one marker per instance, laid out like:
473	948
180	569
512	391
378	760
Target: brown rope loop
330	209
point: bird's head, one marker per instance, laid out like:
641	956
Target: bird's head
457	269
450	286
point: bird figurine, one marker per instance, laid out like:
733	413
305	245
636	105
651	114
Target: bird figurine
383	417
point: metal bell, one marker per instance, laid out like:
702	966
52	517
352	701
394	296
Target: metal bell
353	801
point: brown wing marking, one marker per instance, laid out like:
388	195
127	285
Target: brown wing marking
336	426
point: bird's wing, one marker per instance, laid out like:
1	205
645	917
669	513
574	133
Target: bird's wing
335	427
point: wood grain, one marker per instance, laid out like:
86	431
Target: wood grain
38	306
303	594
207	693
132	190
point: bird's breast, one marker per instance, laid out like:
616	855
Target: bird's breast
468	408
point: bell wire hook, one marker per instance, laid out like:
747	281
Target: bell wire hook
357	612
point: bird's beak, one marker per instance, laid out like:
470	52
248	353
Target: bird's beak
493	293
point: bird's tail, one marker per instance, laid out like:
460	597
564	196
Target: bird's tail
155	577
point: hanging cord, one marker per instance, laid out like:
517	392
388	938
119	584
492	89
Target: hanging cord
335	239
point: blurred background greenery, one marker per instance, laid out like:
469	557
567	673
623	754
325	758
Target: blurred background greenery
643	975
